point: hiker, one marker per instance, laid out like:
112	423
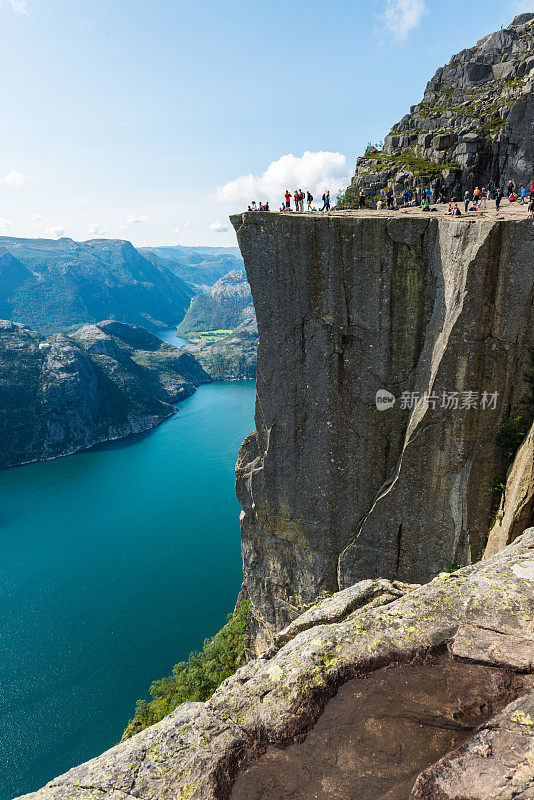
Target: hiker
323	198
389	199
362	198
406	195
523	195
327	201
467	198
288	200
511	188
309	199
498	197
484	196
531	207
296	196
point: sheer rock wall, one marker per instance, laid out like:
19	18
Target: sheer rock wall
333	490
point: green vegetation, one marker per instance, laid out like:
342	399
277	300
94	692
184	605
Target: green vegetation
210	336
510	436
197	678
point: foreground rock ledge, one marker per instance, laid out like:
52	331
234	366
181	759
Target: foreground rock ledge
484	613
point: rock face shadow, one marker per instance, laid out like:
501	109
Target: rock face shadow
380	732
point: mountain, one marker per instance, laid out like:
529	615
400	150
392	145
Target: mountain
197	266
61	394
224	306
473	127
231	356
53	285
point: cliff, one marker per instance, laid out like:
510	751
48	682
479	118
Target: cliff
459	651
334	489
63	394
473	127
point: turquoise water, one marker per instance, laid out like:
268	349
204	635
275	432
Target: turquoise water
114	565
169	335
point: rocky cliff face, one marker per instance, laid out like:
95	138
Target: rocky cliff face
63	393
333	489
473	127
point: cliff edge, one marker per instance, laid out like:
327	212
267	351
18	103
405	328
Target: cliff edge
436	314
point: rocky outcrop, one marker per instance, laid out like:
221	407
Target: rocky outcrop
473	127
198	751
516	511
435	313
63	394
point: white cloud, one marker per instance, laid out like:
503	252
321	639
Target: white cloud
133	219
314	172
20	6
182	227
5	223
57	232
402	16
218	226
13	179
526	5
96	230
37	219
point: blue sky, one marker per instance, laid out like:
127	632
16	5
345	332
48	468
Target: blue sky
137	120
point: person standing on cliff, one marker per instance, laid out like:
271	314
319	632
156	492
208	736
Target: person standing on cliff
287	197
362	197
467	198
309	198
327	201
499	194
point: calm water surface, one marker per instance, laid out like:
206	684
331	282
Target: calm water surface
114	565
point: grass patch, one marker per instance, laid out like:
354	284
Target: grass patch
208	336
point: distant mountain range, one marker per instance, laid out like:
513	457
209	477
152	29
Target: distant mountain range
61	394
56	285
197	266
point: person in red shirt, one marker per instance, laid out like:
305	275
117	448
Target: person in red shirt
288	199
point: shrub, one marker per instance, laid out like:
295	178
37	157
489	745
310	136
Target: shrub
197	678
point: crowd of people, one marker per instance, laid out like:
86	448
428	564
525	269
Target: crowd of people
299	198
422	197
472	201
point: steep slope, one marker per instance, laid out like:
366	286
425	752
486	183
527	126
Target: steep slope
224	306
66	393
12	276
473	127
333	488
67	283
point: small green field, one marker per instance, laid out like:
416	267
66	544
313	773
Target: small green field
208	336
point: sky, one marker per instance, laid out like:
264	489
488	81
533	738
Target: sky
153	121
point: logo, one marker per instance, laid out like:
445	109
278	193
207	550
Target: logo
384	400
